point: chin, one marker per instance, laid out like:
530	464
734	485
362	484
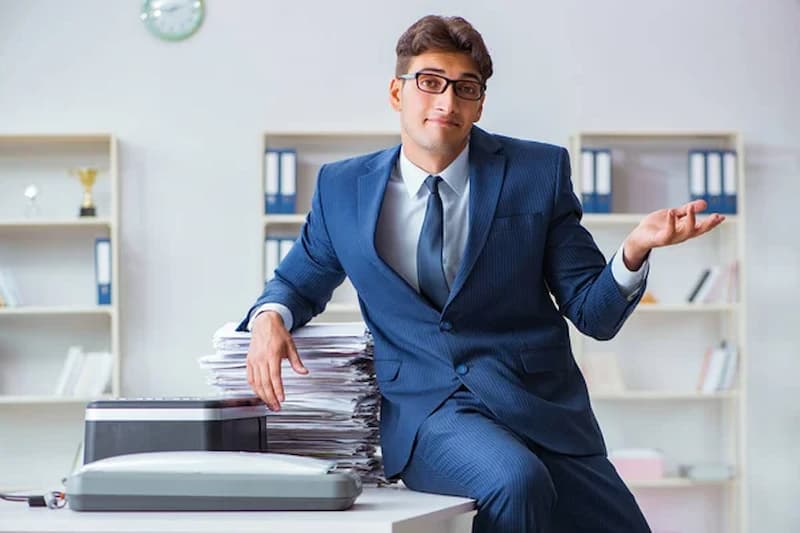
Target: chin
445	141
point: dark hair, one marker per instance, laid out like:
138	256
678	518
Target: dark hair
443	34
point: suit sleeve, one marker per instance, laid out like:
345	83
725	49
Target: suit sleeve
575	270
306	278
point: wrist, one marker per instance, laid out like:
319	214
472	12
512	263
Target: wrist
634	254
269	317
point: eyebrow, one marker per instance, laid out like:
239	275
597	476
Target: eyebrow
441	71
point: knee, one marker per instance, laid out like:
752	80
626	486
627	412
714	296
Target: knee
525	481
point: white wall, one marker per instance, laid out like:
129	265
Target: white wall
189	117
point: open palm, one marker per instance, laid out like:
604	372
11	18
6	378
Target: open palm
672	226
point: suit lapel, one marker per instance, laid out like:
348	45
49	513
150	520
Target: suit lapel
486	175
371	191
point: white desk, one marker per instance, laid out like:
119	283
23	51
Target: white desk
377	510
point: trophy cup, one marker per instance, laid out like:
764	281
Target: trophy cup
87	177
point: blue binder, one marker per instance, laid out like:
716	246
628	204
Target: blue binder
272	176
587	181
714	181
280	181
730	183
271	256
602	181
288	181
276	247
697	175
102	270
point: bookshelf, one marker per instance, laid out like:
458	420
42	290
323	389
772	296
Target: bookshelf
661	347
314	149
49	254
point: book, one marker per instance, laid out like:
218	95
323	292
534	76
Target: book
729	371
700	282
716	368
719	369
83	374
94	376
69	371
704	368
710	286
9	294
716	284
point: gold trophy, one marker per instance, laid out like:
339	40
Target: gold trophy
87	177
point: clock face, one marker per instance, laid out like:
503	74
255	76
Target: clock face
173	20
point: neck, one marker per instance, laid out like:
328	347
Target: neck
432	162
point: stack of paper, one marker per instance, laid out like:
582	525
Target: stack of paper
329	413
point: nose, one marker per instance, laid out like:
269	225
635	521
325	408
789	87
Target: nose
445	102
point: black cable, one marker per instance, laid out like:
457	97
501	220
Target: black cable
53	500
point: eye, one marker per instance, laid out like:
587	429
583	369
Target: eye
430	82
469	89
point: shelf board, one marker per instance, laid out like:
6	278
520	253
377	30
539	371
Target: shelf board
632	219
638	395
57	138
333	134
292	218
91	222
675	482
58	310
686	308
646	135
8	399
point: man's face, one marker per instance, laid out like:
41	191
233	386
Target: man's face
437	123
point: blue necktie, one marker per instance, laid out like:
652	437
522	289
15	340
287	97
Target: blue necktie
430	270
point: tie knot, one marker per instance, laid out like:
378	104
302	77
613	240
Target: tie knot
432	183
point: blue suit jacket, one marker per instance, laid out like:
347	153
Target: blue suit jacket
500	332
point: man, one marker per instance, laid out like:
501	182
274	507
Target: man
455	241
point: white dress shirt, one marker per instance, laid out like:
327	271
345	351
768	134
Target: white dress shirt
400	225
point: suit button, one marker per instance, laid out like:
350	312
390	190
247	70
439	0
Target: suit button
462	369
445	326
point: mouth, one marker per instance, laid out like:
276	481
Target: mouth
443	122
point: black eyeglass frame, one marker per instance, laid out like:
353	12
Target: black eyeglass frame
455	83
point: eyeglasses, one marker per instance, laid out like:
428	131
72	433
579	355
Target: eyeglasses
428	82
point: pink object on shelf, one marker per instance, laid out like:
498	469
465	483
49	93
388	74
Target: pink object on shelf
638	464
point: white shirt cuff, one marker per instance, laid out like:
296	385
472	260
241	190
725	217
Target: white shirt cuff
286	315
628	281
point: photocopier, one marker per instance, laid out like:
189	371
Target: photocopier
182	454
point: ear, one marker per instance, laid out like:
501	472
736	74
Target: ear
395	87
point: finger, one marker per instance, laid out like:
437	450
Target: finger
275	378
691	220
698	205
268	395
250	377
671	220
295	361
710	223
256	383
253	377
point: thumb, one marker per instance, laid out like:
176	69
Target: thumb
297	364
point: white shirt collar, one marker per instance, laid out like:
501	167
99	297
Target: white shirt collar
455	175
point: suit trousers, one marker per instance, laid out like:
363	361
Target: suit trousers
463	450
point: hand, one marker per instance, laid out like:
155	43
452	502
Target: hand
270	343
666	227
